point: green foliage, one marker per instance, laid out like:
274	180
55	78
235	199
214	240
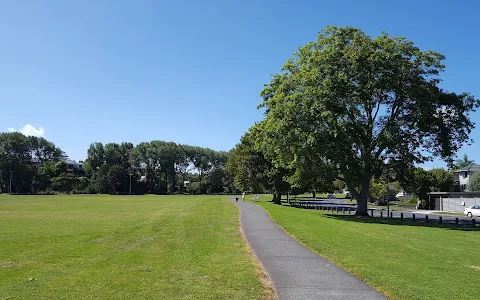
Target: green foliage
411	200
194	188
63	183
441	180
474	182
354	102
339	185
253	171
24	156
378	188
461	163
420	182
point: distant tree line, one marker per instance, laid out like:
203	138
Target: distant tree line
35	165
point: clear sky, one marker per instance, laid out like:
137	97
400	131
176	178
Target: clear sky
189	71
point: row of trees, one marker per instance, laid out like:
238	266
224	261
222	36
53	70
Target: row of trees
157	167
349	107
34	165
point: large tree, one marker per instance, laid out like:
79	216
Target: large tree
20	158
253	171
360	102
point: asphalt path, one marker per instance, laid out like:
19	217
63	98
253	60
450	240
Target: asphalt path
297	272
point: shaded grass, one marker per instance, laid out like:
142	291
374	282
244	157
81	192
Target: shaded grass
123	247
318	195
404	262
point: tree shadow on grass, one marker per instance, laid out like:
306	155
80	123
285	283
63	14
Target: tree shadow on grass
405	222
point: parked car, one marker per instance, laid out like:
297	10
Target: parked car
391	198
331	197
472	211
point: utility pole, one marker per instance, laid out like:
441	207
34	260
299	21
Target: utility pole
10	189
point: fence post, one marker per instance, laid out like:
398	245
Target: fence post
413	217
401	216
336	209
343	210
440	220
381	213
349	210
391	215
426	218
456	220
473	223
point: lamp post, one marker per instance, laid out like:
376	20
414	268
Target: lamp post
10	188
388	192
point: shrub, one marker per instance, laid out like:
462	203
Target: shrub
412	200
474	182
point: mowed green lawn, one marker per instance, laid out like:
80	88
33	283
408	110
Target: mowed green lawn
123	247
404	262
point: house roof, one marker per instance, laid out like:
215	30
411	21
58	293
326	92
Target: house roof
469	168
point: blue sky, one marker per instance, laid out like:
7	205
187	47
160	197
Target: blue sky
189	71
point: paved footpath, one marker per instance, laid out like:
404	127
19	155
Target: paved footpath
297	272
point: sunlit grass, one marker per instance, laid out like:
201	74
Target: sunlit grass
404	260
123	247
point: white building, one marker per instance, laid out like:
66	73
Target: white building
74	166
462	176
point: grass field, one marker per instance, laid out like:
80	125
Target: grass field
400	259
123	247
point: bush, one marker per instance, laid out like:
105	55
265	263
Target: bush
412	200
424	205
474	182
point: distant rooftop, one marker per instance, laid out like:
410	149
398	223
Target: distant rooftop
470	168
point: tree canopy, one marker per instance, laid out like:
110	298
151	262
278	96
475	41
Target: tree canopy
461	163
21	156
354	103
253	172
474	182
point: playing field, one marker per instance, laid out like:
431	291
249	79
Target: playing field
123	247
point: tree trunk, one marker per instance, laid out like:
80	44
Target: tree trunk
362	206
362	196
314	194
277	198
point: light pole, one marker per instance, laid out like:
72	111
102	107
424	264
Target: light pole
10	189
388	192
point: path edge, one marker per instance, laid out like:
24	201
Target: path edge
263	276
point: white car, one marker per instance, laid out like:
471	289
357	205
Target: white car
472	211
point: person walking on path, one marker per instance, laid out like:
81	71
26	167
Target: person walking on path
243	196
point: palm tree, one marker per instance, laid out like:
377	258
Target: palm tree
461	163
